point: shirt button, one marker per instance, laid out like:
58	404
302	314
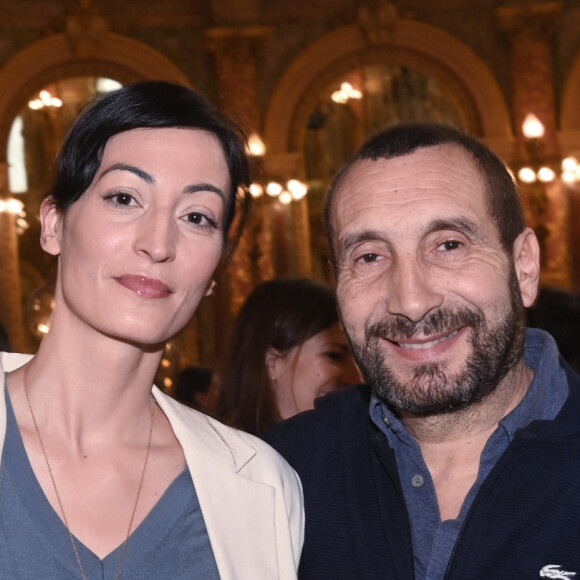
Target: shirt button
386	421
418	481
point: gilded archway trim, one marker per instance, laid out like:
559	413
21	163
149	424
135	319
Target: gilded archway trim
55	58
425	48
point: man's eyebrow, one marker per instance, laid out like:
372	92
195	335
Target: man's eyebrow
131	169
460	224
350	241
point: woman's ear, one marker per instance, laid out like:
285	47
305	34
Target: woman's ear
210	288
273	358
526	253
51	227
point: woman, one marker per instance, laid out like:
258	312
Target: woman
287	349
102	474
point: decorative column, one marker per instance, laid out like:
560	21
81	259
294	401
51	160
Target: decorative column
11	316
236	51
285	166
264	241
302	236
529	29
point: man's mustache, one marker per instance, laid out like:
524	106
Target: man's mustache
397	327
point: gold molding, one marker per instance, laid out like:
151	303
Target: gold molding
429	49
54	58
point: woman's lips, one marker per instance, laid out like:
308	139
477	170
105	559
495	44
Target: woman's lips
144	286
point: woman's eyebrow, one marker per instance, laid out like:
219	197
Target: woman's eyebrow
148	178
195	187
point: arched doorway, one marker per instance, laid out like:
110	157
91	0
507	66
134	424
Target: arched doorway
412	44
418	71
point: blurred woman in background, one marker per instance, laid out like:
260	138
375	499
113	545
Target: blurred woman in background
287	349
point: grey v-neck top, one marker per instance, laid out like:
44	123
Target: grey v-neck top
172	541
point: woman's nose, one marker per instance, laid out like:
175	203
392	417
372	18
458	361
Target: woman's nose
156	237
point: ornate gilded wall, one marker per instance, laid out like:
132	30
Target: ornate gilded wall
271	64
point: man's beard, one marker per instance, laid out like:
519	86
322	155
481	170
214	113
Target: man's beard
432	390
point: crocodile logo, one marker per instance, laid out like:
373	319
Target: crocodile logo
555	571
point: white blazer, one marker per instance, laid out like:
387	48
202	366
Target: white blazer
251	499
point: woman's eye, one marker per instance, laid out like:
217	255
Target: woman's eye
200	219
120	199
335	356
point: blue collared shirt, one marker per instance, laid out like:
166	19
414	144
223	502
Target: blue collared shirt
433	540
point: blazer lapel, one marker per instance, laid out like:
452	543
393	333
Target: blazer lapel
239	512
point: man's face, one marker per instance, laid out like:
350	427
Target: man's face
430	300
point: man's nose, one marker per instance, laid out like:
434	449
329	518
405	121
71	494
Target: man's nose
413	289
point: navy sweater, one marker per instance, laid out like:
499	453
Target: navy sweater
525	518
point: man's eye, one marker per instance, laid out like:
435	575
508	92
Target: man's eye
450	245
368	258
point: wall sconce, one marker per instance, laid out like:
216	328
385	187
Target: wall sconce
544	171
256	147
45	99
293	190
532	127
345	93
570	170
16	208
11	205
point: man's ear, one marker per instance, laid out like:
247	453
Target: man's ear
526	253
51	227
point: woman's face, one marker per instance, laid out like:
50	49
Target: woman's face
138	250
317	367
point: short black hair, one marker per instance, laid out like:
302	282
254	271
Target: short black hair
144	105
503	200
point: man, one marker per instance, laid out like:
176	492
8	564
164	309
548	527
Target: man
461	458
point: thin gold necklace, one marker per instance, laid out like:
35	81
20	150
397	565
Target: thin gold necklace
64	518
